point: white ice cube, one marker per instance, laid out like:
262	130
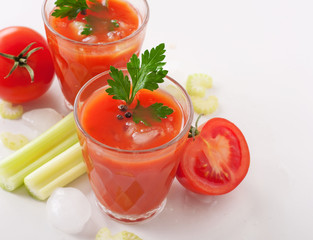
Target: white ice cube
77	27
130	128
68	209
146	135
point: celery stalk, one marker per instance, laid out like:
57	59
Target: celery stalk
58	172
55	140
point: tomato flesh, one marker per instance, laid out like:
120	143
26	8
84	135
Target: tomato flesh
216	161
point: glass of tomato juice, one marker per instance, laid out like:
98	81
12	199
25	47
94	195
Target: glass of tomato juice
131	166
116	31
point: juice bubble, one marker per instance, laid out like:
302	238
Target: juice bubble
68	209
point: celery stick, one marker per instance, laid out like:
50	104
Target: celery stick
58	172
55	140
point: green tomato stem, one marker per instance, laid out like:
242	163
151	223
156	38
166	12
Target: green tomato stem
193	132
21	60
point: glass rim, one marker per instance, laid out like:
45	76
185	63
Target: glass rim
183	131
133	34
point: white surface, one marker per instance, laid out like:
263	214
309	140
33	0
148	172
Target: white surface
260	55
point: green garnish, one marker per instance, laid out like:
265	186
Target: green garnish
94	23
113	25
69	8
156	110
87	30
145	75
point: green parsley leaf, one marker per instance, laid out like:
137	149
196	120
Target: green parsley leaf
87	30
145	75
150	73
155	112
120	85
113	24
69	8
159	110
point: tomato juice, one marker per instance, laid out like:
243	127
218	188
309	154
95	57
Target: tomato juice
99	119
116	32
131	165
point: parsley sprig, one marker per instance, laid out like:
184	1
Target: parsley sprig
145	74
87	30
69	8
155	111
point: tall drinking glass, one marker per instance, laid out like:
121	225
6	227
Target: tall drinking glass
131	185
76	62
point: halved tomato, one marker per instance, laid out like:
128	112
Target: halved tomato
216	160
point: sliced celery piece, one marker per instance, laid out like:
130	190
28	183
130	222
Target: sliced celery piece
55	140
8	111
105	234
13	141
198	83
58	172
204	106
125	235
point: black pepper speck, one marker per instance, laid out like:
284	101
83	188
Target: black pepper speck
120	117
123	107
128	115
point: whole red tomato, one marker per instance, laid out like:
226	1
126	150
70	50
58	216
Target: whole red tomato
216	160
16	82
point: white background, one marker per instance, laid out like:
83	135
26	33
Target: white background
260	55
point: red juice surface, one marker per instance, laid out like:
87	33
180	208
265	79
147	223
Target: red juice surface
99	119
130	183
78	58
108	23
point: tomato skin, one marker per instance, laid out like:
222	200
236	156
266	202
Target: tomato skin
217	160
18	88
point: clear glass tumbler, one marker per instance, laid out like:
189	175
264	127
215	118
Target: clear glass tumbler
132	185
76	62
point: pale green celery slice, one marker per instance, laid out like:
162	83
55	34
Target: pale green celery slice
58	172
55	140
125	235
105	234
13	141
8	111
197	84
204	106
